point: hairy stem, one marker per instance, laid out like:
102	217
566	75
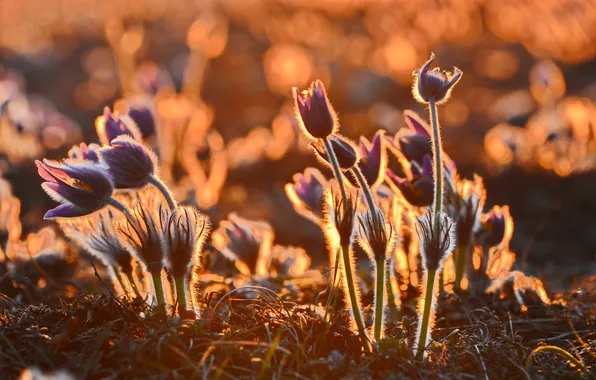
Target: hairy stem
424	323
164	190
355	303
123	209
181	295
392	290
337	172
370	200
132	283
379	300
438	162
120	279
159	294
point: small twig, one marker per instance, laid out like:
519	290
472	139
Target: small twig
101	280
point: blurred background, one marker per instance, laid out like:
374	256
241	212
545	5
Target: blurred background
218	76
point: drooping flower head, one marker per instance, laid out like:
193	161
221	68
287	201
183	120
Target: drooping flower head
418	190
246	242
111	125
345	151
84	152
130	163
314	112
185	230
80	187
434	84
306	193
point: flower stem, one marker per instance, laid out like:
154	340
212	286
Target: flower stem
355	303
120	280
370	200
123	209
337	172
133	284
460	265
181	295
379	300
159	295
392	290
423	328
164	190
438	161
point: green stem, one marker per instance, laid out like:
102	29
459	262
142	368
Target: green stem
164	190
337	172
119	278
379	300
331	300
181	294
159	295
347	267
460	265
438	161
424	323
132	282
123	209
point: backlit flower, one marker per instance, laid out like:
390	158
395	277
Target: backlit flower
419	189
435	246
130	163
288	262
434	84
306	193
111	125
143	115
345	151
496	227
83	152
314	111
373	159
80	187
246	242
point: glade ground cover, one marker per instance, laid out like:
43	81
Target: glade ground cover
396	202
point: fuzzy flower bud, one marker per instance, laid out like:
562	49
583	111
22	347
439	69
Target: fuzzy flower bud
373	160
314	112
130	163
306	193
81	187
434	84
418	190
345	151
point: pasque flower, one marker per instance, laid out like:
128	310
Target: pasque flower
345	151
418	190
142	113
373	159
306	193
111	125
434	84
84	152
246	242
314	111
80	187
131	163
496	227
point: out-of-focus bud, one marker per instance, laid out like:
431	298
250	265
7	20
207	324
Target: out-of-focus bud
496	227
434	84
314	111
306	193
109	126
84	152
418	190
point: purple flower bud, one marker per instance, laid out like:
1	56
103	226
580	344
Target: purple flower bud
314	111
345	151
81	187
306	193
109	126
130	163
373	160
434	84
418	190
84	152
144	118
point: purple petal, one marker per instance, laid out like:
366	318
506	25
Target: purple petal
415	123
65	211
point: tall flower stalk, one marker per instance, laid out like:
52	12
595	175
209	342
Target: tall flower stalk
435	229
